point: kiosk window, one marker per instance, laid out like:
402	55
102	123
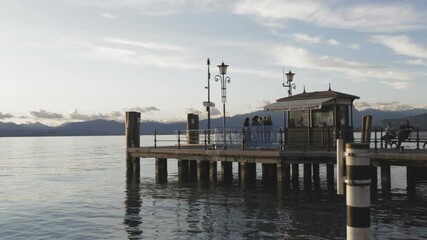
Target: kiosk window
323	117
298	119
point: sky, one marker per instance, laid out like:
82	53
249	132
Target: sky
75	60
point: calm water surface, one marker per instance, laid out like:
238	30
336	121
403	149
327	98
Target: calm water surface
76	188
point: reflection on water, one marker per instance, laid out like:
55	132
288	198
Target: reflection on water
77	188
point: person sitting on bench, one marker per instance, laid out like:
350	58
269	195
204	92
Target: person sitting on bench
390	133
404	132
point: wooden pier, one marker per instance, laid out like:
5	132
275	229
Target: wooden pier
279	168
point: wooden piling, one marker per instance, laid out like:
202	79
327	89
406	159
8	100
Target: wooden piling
213	171
330	176
385	179
374	179
269	174
192	167
132	140
183	170
203	171
227	171
307	176
161	170
410	180
295	176
316	176
247	174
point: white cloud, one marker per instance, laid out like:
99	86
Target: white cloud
307	38
385	106
108	15
333	42
417	62
147	110
299	57
397	85
354	46
402	45
114	115
43	114
5	115
361	17
147	45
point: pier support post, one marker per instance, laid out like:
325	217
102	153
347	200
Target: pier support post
202	171
374	179
227	171
330	176
358	191
247	174
385	179
295	176
283	175
192	167
307	176
132	140
183	170
213	171
316	176
410	180
161	170
269	174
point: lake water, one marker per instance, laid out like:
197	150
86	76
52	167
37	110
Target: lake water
76	188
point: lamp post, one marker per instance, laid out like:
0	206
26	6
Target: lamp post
290	85
209	104
221	77
289	79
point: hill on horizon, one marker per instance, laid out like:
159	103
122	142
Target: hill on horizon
417	117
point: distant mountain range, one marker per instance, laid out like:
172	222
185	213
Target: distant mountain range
417	117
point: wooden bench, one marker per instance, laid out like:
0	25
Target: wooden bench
395	142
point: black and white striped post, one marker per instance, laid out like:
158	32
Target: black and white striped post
358	181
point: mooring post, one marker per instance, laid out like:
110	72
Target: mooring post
385	179
358	191
161	170
132	140
227	171
307	177
183	169
295	176
213	165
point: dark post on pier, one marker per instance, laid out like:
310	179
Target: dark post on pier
132	140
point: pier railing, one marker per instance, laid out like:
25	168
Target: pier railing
270	137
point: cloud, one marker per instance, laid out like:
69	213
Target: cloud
402	45
417	62
354	46
147	45
114	115
373	17
157	7
300	37
194	111
385	106
299	57
147	110
43	114
333	42
108	15
5	115
397	85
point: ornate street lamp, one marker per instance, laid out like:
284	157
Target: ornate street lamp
289	79
221	77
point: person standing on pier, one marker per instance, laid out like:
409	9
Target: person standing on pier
246	133
404	132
